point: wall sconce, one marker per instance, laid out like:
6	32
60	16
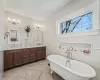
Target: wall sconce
6	35
38	26
13	21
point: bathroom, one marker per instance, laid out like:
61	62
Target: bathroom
31	35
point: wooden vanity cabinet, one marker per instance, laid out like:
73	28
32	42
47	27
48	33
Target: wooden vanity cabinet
41	54
25	56
8	60
33	56
18	57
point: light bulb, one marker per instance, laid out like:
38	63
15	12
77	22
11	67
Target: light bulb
9	19
14	20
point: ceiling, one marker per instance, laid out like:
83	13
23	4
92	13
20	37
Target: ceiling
37	9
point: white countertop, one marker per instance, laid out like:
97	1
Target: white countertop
23	47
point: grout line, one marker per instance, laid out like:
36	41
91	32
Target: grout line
40	76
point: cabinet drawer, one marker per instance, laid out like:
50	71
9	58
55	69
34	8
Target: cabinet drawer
33	54
24	50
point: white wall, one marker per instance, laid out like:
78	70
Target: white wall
52	41
24	21
1	36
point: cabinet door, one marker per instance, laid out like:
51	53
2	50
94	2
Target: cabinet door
8	60
17	58
25	56
41	54
33	55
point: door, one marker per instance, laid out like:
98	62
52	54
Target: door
25	56
8	60
33	55
17	57
41	53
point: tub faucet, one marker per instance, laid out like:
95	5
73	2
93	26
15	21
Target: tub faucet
69	56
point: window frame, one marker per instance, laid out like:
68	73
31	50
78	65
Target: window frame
95	14
81	25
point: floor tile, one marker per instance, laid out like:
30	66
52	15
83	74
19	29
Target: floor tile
34	71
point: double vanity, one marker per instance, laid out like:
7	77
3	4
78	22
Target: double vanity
18	57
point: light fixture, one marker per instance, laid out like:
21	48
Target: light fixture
9	19
38	26
6	35
13	21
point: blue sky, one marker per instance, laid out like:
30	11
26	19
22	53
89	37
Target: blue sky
84	24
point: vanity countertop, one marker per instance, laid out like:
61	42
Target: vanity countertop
23	47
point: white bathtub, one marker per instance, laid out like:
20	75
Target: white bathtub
77	70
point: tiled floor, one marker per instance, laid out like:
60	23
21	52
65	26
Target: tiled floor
34	71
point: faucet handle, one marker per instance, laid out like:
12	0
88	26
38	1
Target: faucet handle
59	47
70	49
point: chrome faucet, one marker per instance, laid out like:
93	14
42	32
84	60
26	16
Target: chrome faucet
69	56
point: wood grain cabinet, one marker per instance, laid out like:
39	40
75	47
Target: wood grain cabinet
33	55
8	60
18	57
41	53
25	56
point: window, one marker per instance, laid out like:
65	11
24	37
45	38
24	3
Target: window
81	23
